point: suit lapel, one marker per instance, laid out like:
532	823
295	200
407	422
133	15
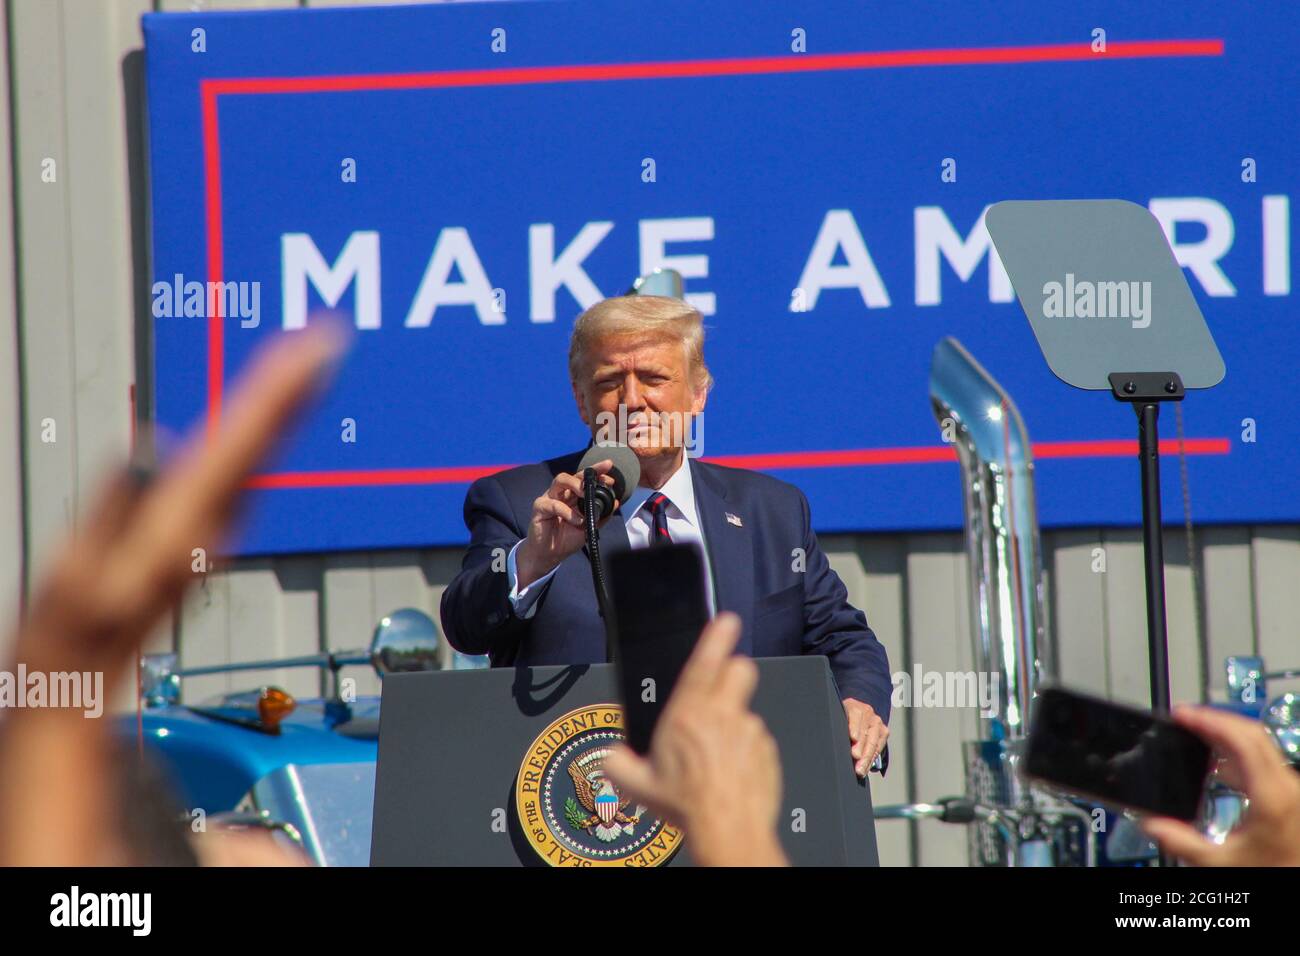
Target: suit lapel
613	536
731	550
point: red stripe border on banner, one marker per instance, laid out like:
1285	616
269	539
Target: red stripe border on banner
211	89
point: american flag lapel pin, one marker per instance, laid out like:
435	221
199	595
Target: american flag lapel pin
734	519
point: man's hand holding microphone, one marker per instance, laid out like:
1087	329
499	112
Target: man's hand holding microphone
555	530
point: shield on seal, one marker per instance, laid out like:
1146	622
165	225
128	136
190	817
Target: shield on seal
606	807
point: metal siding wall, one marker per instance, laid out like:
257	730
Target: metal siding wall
75	256
74	236
1230	611
939	638
45	307
1078	612
67	288
11	443
874	571
1276	569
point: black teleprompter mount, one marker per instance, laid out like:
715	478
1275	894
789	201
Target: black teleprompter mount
1145	391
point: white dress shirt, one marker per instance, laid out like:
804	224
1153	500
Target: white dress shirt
683	527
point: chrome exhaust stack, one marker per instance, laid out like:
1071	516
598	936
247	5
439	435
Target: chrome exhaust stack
1009	822
1008	625
1005	570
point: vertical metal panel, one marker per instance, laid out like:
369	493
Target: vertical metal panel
348	608
1078	608
11	480
1180	614
940	641
1277	595
300	581
73	229
1126	627
255	622
440	566
75	236
96	37
397	581
1230	607
45	297
1126	633
874	572
204	636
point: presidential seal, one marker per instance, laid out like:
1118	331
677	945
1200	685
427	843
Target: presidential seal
571	813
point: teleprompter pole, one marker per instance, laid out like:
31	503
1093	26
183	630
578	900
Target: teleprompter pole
1145	391
1153	551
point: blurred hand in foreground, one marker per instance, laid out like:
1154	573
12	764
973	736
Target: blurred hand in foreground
1269	834
708	743
113	582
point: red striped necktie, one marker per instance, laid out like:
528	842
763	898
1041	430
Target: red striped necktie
659	520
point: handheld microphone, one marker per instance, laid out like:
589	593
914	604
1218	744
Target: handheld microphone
626	473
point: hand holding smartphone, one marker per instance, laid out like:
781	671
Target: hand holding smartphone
660	606
1117	755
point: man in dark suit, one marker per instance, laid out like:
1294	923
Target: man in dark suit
524	595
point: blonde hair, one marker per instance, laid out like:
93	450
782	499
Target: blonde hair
641	316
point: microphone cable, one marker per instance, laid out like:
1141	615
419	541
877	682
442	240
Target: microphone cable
590	482
1193	560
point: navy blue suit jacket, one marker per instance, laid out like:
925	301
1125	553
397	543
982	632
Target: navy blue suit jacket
786	611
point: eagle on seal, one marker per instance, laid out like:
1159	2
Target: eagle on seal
607	817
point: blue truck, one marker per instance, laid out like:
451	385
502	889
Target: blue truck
303	769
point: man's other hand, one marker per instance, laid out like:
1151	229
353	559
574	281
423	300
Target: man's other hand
867	733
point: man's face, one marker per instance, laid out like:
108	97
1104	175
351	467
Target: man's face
651	377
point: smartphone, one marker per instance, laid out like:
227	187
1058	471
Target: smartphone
1117	755
659	607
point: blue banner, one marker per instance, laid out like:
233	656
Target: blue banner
462	180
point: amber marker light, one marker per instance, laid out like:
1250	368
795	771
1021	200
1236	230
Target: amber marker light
273	706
